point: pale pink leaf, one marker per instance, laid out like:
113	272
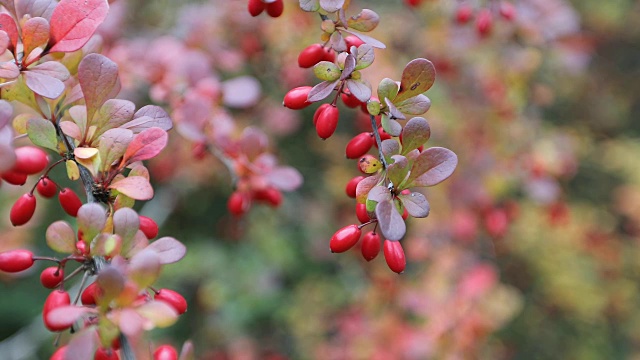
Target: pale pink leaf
135	187
169	250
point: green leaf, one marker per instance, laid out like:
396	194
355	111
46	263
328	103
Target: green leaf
106	245
415	133
398	170
416	105
61	237
387	89
416	204
365	21
41	132
18	91
92	218
365	57
309	5
392	127
327	71
390	221
159	313
432	166
418	76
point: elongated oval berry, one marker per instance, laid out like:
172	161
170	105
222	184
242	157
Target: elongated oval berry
51	277
275	8
90	294
484	22
30	160
327	122
370	245
255	7
349	100
296	98
106	354
69	201
361	213
345	238
464	13
60	354
16	260
352	40
15	178
55	300
23	209
238	203
352	185
270	195
507	10
359	145
394	255
319	111
177	301
148	227
46	187
165	352
311	55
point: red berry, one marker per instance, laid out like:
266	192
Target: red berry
311	55
464	14
352	40
319	111
69	201
90	294
59	354
345	238
51	277
30	160
329	55
46	187
148	227
165	352
23	209
172	298
349	100
361	213
239	203
275	8
81	246
394	255
199	150
296	98
16	260
255	7
270	195
14	177
106	354
352	185
327	122
383	136
370	245
359	145
507	10
55	300
405	214
413	3
484	22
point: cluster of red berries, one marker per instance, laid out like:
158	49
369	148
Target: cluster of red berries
240	202
273	8
162	352
484	17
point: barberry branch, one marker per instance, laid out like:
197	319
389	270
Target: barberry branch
376	135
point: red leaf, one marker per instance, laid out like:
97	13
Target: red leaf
146	145
135	187
9	26
73	22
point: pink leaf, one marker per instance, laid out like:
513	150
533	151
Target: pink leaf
130	323
43	85
169	250
147	117
53	69
285	178
5	42
73	22
83	344
135	187
391	223
65	316
146	145
35	8
98	77
9	70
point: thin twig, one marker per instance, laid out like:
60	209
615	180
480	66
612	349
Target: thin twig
376	135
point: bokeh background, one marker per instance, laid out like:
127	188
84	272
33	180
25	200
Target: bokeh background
532	247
